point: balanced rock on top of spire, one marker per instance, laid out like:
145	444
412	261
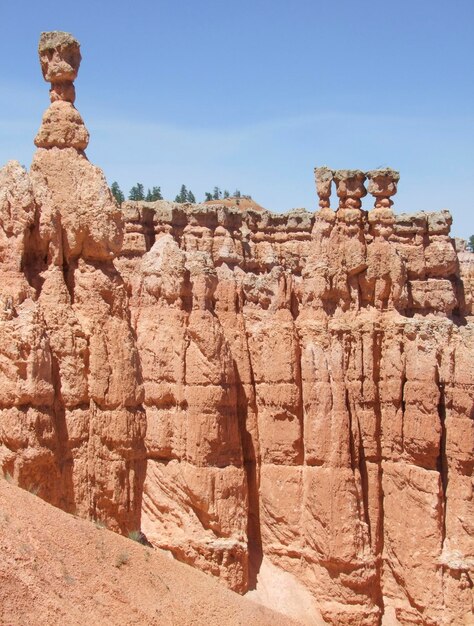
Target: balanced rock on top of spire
62	125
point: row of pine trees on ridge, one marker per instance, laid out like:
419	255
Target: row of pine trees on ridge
137	192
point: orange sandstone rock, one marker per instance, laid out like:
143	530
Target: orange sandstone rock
62	127
286	396
60	58
345	375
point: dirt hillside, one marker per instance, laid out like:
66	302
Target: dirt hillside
57	569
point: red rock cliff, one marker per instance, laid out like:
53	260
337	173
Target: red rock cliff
246	387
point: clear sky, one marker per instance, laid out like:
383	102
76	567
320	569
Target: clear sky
254	94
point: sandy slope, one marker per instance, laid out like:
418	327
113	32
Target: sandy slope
57	569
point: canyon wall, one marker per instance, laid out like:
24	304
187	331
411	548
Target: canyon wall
247	388
352	392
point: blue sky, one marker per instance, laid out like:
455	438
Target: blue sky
253	95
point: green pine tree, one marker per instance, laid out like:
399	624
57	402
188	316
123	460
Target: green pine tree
154	194
137	192
117	193
191	197
470	243
208	196
217	194
183	195
226	194
236	194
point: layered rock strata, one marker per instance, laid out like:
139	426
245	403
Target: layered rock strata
243	385
350	337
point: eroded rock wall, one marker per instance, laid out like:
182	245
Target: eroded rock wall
243	385
353	393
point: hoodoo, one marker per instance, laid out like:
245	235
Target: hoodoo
285	401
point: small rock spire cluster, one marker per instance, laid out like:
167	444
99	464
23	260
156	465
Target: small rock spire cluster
350	187
62	125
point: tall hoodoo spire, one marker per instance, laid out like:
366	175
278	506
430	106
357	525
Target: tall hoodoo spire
62	125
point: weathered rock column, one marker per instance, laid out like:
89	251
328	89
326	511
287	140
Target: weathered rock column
383	285
62	125
382	185
324	177
350	188
98	418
